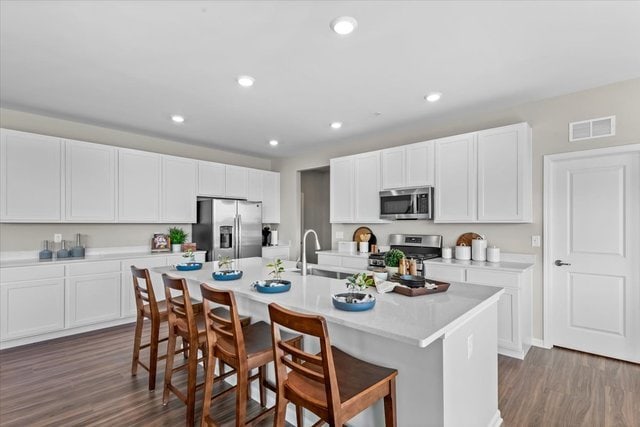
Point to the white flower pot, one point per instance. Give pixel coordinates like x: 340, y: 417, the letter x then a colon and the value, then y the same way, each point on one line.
x: 176, y: 247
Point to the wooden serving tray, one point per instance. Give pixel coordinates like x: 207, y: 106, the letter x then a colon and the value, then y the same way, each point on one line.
x: 414, y: 292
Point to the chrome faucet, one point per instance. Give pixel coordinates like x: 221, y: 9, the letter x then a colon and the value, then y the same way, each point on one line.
x: 303, y: 270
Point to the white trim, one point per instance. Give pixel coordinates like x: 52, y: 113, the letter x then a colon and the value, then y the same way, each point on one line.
x: 549, y: 159
x: 540, y: 343
x: 496, y: 421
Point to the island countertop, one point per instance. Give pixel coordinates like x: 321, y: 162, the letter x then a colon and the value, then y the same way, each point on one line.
x: 416, y: 321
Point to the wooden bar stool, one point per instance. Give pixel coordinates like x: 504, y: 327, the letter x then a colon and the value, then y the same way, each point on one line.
x: 147, y: 307
x: 332, y: 384
x: 244, y: 349
x: 187, y: 323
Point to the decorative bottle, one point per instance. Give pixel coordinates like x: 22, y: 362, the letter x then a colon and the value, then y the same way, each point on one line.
x: 45, y: 253
x: 78, y: 250
x: 63, y: 252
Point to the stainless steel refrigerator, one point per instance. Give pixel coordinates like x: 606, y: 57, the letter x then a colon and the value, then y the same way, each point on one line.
x: 230, y: 228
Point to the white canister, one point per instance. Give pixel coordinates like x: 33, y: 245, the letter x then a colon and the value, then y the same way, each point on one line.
x: 274, y: 237
x: 479, y: 249
x: 446, y: 253
x: 364, y: 247
x: 463, y: 252
x: 493, y: 254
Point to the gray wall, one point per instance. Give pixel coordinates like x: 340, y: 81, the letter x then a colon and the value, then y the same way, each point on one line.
x: 549, y: 119
x: 24, y: 237
x: 315, y: 187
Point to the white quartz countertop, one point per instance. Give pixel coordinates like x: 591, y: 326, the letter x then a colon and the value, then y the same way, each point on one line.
x: 503, y: 265
x: 349, y: 254
x: 89, y: 258
x: 417, y: 321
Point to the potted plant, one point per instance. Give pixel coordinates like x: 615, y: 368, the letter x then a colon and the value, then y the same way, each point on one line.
x: 355, y: 299
x: 392, y: 260
x: 177, y: 237
x: 225, y: 264
x: 277, y: 268
x: 190, y: 256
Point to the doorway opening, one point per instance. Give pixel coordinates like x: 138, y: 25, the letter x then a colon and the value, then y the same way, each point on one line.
x: 314, y: 208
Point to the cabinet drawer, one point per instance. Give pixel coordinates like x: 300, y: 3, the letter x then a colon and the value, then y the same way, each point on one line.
x: 159, y: 261
x: 85, y: 268
x: 492, y: 278
x: 18, y: 274
x: 329, y: 260
x: 453, y: 274
x: 356, y: 263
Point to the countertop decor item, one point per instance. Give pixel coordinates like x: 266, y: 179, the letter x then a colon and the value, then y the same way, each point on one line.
x: 414, y: 292
x: 351, y: 301
x: 45, y: 253
x: 447, y: 253
x: 189, y: 266
x: 412, y: 281
x: 392, y: 259
x: 363, y: 232
x: 277, y: 268
x: 493, y: 254
x: 274, y: 286
x: 160, y: 243
x: 226, y: 275
x: 463, y: 252
x: 177, y: 236
x: 466, y: 238
x: 63, y: 252
x: 479, y: 249
x: 78, y: 250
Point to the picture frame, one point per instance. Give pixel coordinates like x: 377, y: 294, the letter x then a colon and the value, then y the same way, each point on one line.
x: 160, y: 243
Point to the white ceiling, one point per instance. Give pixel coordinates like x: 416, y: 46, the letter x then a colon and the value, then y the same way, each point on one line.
x: 130, y: 65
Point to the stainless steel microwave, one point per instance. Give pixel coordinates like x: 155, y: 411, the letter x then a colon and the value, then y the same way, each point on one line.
x: 408, y: 203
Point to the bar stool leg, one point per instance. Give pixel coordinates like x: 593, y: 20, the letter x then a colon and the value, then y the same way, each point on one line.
x: 241, y: 397
x: 390, y: 405
x: 168, y: 370
x: 153, y: 353
x: 191, y: 382
x: 136, y: 345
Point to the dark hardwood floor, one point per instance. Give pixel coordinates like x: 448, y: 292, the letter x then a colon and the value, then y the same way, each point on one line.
x: 85, y: 380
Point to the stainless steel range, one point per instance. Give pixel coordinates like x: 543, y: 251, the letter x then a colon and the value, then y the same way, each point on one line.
x: 415, y: 246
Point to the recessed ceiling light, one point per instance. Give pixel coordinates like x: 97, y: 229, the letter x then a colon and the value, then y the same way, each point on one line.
x: 336, y: 125
x: 246, y: 81
x: 273, y: 142
x: 344, y: 25
x: 433, y: 96
x: 177, y: 119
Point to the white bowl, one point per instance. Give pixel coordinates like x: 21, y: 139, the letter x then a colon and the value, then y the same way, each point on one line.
x: 381, y: 275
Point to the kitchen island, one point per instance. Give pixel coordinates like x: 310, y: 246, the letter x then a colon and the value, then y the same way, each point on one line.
x: 444, y: 346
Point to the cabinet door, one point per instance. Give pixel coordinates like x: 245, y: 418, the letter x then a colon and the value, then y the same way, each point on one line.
x: 504, y: 174
x: 419, y: 164
x: 139, y: 182
x: 236, y: 182
x: 211, y: 179
x: 367, y: 187
x: 179, y: 182
x: 455, y: 189
x: 30, y: 177
x: 342, y: 188
x: 92, y: 299
x: 393, y: 168
x: 508, y: 328
x: 31, y: 308
x: 271, y: 198
x: 255, y: 191
x: 90, y: 178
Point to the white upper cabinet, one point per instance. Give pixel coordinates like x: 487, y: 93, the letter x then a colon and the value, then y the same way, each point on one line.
x: 255, y: 185
x: 342, y: 179
x: 355, y: 189
x: 455, y: 189
x: 179, y: 183
x: 271, y: 197
x: 408, y: 166
x: 90, y: 182
x: 393, y: 168
x: 367, y: 187
x: 211, y: 179
x: 31, y: 177
x: 504, y: 174
x: 484, y: 176
x: 237, y: 182
x: 139, y: 183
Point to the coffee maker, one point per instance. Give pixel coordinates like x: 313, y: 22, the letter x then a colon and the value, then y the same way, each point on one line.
x: 266, y: 236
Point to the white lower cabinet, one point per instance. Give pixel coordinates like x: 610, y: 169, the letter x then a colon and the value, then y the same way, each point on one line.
x: 345, y: 261
x: 514, y: 306
x: 31, y: 307
x: 273, y: 252
x: 93, y: 296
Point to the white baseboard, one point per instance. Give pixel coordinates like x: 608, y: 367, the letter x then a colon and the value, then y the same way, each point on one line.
x: 540, y: 343
x: 496, y: 421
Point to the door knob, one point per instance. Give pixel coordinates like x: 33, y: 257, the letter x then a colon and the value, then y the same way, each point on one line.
x: 559, y: 263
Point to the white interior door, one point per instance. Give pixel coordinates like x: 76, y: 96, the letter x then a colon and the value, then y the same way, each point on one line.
x: 595, y: 229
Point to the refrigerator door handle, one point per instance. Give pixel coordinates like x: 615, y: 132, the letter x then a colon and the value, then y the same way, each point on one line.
x: 239, y: 247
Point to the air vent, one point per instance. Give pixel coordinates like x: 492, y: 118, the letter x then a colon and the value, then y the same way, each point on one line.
x: 594, y: 128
